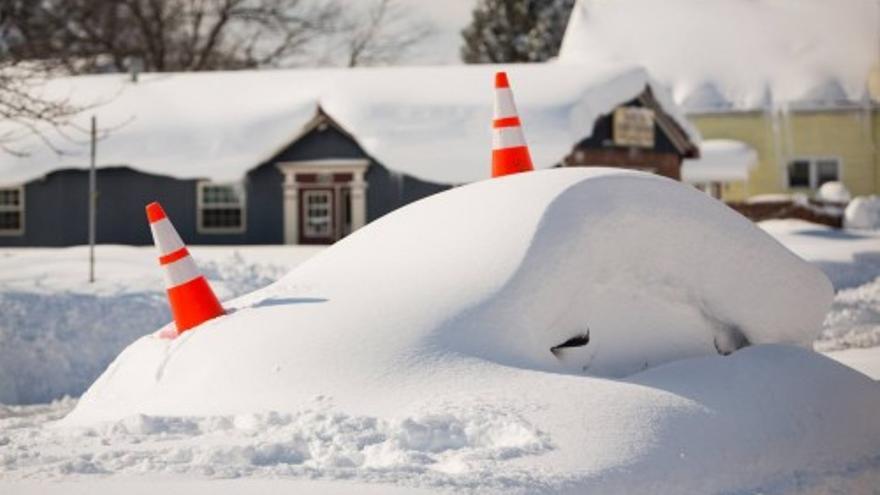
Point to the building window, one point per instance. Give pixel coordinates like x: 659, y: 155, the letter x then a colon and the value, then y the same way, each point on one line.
x: 712, y: 189
x: 221, y: 208
x: 827, y: 171
x: 318, y: 214
x: 811, y: 173
x: 11, y: 211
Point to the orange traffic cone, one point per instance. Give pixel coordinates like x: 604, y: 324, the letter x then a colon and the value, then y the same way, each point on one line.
x: 510, y: 154
x: 191, y: 298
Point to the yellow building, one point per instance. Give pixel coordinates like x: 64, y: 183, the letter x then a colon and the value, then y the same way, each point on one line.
x: 797, y: 81
x: 801, y: 149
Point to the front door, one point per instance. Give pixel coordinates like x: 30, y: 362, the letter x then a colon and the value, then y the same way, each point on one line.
x: 317, y: 216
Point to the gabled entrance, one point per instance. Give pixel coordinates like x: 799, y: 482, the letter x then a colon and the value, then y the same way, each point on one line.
x: 324, y: 200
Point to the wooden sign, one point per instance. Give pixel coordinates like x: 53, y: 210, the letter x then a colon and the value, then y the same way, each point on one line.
x: 634, y: 126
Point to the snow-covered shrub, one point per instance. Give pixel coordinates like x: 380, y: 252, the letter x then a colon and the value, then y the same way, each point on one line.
x: 863, y: 212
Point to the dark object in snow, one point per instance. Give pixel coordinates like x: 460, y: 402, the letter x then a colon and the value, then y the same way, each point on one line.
x: 730, y: 340
x: 576, y: 341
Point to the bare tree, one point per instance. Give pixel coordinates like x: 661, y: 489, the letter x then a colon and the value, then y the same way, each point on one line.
x: 382, y: 34
x: 40, y: 39
x: 29, y: 112
x: 167, y: 35
x: 22, y: 102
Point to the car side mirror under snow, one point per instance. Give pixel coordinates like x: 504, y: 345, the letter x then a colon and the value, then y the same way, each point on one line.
x: 576, y: 341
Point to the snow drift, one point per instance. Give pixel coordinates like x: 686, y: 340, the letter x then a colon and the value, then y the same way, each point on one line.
x: 863, y: 213
x: 461, y: 342
x: 569, y: 271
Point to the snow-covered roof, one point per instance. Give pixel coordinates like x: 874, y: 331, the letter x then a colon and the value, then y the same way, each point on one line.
x: 432, y: 123
x: 721, y: 160
x: 724, y: 55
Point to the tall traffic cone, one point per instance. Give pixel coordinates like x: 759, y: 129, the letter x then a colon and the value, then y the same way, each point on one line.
x: 191, y: 298
x: 510, y: 154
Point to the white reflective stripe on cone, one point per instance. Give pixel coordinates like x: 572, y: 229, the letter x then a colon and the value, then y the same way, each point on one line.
x: 165, y: 237
x: 507, y: 137
x: 180, y: 272
x: 504, y: 106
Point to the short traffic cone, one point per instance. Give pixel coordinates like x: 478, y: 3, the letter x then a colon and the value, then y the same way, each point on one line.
x: 191, y: 298
x: 510, y: 154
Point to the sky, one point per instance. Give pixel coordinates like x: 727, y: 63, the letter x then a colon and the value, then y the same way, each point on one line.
x: 449, y: 17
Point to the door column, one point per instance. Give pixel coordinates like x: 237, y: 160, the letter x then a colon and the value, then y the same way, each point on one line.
x: 358, y: 193
x: 291, y: 208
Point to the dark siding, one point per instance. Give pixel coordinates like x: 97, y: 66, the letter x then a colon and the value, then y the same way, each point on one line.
x: 56, y: 206
x: 265, y: 207
x: 603, y: 129
x: 321, y: 144
x: 387, y: 191
x: 56, y: 209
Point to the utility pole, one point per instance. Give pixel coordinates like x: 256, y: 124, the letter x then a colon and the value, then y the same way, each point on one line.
x: 93, y: 203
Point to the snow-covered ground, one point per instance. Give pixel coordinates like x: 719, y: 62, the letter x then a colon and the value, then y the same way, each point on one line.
x: 803, y: 423
x: 851, y: 260
x: 58, y: 332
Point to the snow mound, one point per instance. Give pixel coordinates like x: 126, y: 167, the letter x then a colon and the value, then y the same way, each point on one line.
x: 768, y: 419
x: 854, y: 319
x: 720, y: 160
x: 456, y: 343
x: 863, y: 212
x: 599, y: 272
x: 834, y: 192
x: 59, y: 334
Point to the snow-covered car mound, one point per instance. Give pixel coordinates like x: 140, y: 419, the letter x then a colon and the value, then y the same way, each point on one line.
x: 506, y: 307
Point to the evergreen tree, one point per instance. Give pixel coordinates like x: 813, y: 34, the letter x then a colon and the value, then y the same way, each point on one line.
x: 515, y: 30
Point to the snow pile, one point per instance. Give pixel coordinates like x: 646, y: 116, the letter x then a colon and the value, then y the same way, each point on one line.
x: 768, y: 419
x: 863, y: 212
x: 852, y: 262
x: 59, y: 333
x: 316, y: 440
x: 182, y: 125
x: 514, y: 280
x: 854, y: 319
x: 735, y: 54
x: 834, y: 192
x: 421, y: 356
x: 721, y: 160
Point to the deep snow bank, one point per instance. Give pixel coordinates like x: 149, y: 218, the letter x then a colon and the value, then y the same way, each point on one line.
x: 418, y: 351
x: 494, y: 273
x: 768, y: 419
x: 58, y: 333
x: 863, y: 213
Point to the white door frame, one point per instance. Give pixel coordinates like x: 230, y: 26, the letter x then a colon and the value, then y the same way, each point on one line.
x: 356, y: 167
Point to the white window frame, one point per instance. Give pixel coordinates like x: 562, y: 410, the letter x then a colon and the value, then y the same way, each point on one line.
x: 330, y: 213
x: 813, y: 171
x: 20, y: 208
x: 201, y: 206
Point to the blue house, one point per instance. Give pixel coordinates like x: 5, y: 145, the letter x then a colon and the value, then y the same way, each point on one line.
x: 308, y: 156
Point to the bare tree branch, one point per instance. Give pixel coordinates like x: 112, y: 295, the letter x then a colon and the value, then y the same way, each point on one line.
x: 384, y: 33
x: 169, y: 35
x: 31, y: 113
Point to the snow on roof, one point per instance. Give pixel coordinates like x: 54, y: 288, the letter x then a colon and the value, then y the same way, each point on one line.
x: 721, y: 160
x: 736, y: 54
x: 432, y: 123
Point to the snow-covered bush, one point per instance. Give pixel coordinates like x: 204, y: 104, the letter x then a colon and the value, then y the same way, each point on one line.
x: 863, y: 212
x: 834, y: 192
